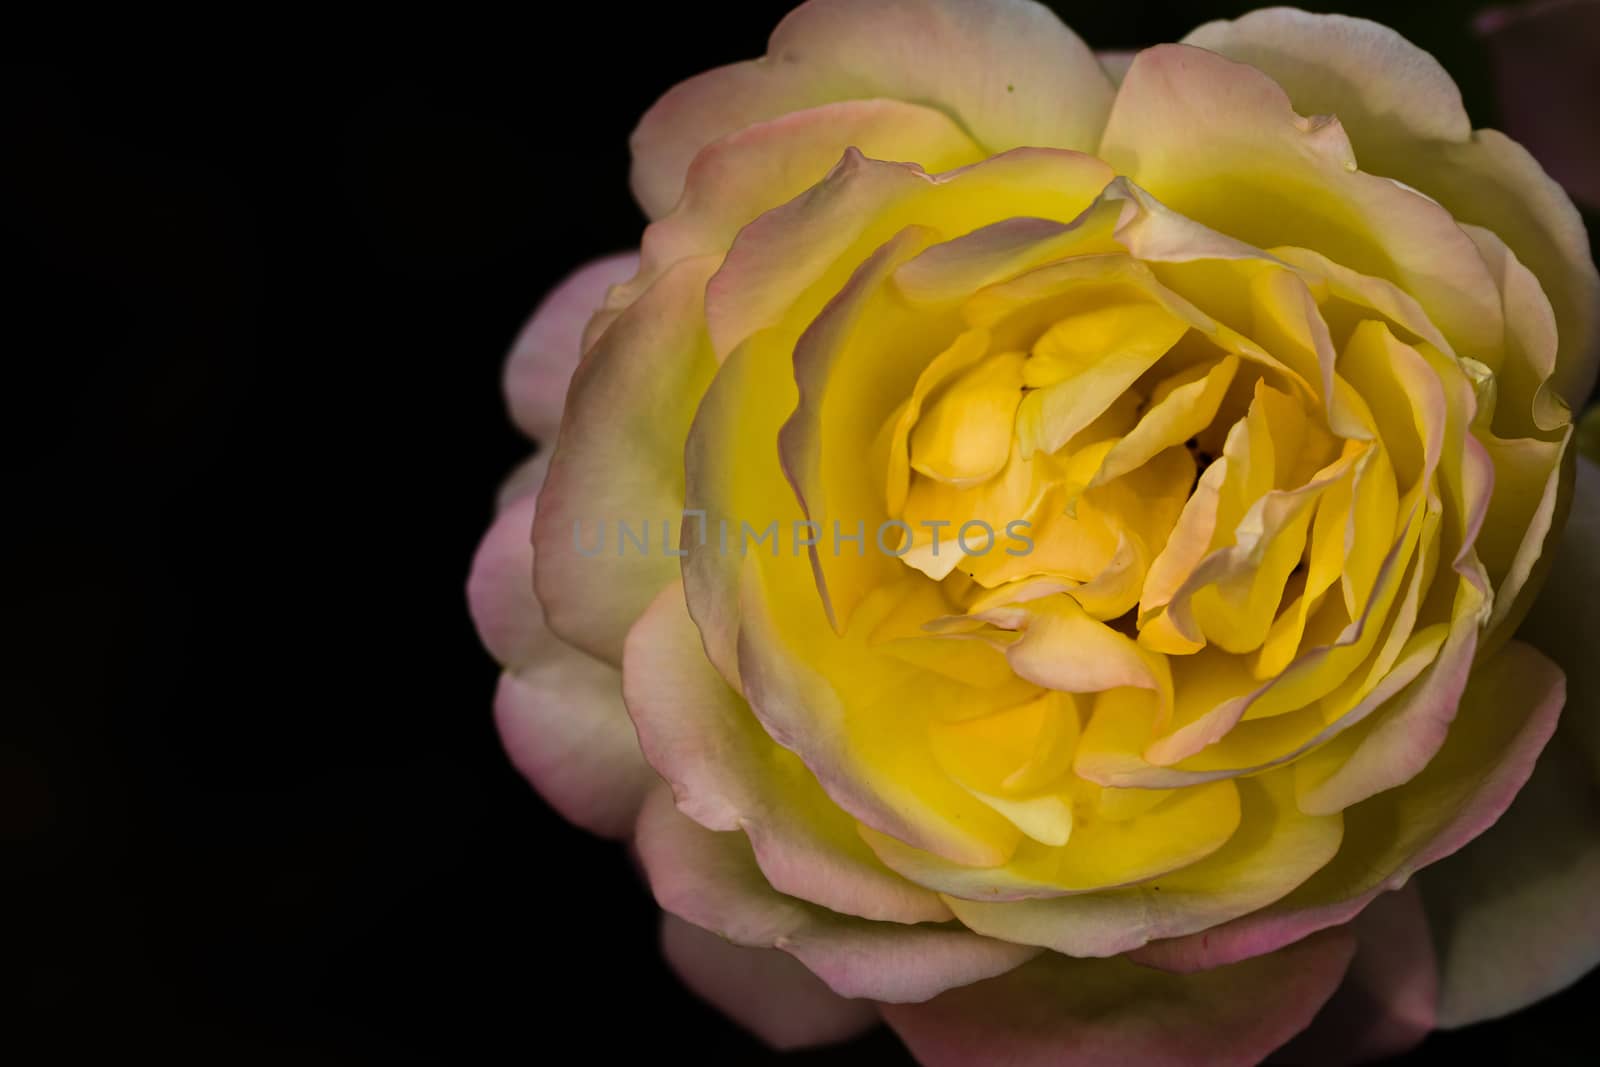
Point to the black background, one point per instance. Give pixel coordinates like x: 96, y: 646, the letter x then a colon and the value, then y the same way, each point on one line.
x: 254, y: 809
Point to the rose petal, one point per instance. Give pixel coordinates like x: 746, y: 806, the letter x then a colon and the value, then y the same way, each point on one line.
x: 617, y: 471
x: 1007, y: 70
x: 1383, y: 88
x: 547, y: 350
x: 789, y: 263
x: 767, y: 992
x: 1060, y: 1012
x: 727, y: 774
x: 1275, y: 849
x: 562, y: 722
x: 1219, y: 141
x: 500, y: 587
x: 1514, y: 912
x: 1404, y: 125
x: 752, y: 170
x: 559, y: 711
x: 711, y: 879
x: 1507, y: 714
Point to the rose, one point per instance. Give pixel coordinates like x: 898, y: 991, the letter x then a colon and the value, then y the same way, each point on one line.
x: 1273, y: 357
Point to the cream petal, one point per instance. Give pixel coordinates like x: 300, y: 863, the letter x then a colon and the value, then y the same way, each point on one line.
x: 1219, y: 142
x: 1403, y: 117
x: 1007, y: 71
x: 617, y: 471
x: 752, y: 170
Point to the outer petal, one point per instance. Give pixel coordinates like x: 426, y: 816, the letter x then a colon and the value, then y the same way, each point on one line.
x: 1514, y: 913
x: 768, y: 992
x: 564, y: 727
x: 1220, y: 142
x: 1384, y: 89
x: 500, y: 587
x: 1405, y: 122
x: 754, y: 169
x: 619, y: 463
x: 1061, y: 1012
x: 727, y: 774
x: 546, y: 351
x: 559, y: 711
x: 1007, y: 70
x: 711, y: 879
x: 1386, y: 1004
x: 1507, y: 714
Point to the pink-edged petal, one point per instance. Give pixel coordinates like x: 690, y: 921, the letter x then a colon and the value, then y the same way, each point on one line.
x: 1386, y: 1004
x: 609, y: 513
x: 767, y: 992
x: 500, y: 587
x: 526, y: 479
x: 711, y: 880
x: 796, y: 257
x: 1507, y: 715
x: 754, y: 169
x: 1007, y: 71
x: 1062, y: 1012
x: 1514, y: 912
x: 1542, y: 54
x: 1221, y: 143
x: 1404, y: 122
x: 1389, y: 748
x: 559, y: 711
x: 547, y: 350
x: 727, y: 774
x: 562, y: 722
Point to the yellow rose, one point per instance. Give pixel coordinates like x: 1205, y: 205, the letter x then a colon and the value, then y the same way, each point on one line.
x: 1058, y: 531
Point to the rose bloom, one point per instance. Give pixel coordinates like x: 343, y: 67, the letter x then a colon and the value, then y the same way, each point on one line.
x: 1256, y: 361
